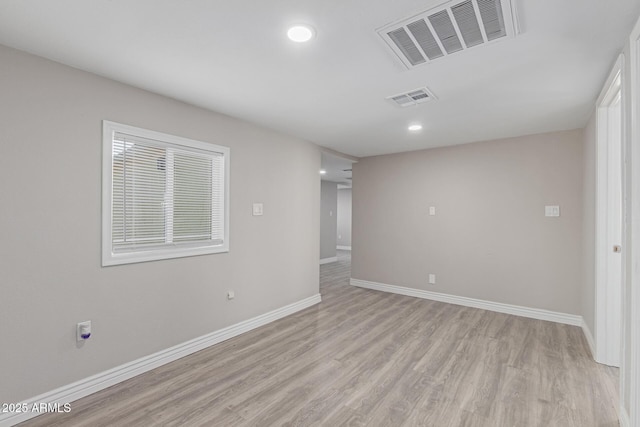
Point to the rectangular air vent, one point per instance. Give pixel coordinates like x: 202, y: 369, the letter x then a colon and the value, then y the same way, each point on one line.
x: 414, y: 97
x: 451, y: 27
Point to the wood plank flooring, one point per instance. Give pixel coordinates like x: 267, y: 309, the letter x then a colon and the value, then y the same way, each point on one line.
x: 367, y: 358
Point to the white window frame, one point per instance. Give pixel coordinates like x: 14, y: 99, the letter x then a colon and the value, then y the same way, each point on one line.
x: 109, y: 257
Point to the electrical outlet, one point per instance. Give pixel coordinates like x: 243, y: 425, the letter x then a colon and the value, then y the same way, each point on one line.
x: 432, y: 279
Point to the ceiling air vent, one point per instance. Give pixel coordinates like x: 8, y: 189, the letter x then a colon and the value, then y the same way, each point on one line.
x: 451, y: 27
x: 414, y: 97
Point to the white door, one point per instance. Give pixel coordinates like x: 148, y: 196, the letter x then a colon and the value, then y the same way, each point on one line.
x: 609, y: 220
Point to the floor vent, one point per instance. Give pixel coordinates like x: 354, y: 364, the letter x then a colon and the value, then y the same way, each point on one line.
x: 452, y: 27
x: 414, y: 97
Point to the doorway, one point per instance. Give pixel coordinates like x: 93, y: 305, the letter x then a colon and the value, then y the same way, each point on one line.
x: 335, y: 215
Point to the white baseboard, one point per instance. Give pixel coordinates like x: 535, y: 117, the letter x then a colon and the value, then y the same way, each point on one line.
x: 87, y: 386
x: 589, y: 336
x: 344, y: 248
x: 624, y: 417
x: 516, y: 310
x: 328, y: 260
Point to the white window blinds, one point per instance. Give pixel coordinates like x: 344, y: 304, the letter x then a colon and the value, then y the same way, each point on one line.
x: 166, y: 196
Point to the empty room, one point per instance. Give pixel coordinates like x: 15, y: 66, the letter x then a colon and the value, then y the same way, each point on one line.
x: 320, y: 213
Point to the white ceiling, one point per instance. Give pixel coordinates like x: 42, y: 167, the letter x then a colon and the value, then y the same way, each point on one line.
x: 234, y: 57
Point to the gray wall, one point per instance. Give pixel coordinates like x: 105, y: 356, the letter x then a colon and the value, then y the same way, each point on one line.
x: 589, y: 225
x: 489, y: 239
x: 328, y: 221
x: 50, y: 181
x: 344, y: 217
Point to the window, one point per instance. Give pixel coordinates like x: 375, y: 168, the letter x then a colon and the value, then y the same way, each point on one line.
x: 163, y: 196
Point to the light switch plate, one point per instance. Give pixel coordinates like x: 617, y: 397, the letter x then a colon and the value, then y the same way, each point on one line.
x: 83, y: 331
x: 257, y: 209
x: 552, y: 211
x: 432, y: 210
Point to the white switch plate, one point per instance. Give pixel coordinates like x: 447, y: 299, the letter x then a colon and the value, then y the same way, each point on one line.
x: 83, y: 328
x: 432, y: 279
x: 231, y: 295
x: 257, y: 209
x: 552, y: 211
x: 432, y: 210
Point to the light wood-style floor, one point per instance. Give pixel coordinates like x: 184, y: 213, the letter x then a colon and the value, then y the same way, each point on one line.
x: 367, y: 358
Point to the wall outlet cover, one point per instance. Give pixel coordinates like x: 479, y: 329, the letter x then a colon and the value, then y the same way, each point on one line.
x: 552, y: 211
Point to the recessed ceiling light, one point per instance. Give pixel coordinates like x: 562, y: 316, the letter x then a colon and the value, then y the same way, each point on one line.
x: 300, y: 33
x: 323, y: 172
x: 415, y: 127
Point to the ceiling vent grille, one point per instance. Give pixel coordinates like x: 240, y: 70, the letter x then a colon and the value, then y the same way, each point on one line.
x: 452, y: 27
x: 414, y: 97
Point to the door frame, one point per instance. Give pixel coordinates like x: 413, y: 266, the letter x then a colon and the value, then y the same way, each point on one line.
x: 633, y: 316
